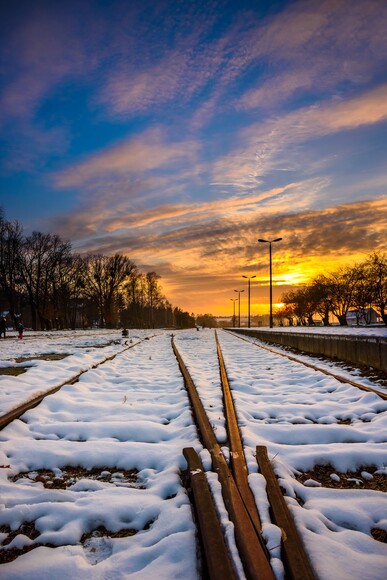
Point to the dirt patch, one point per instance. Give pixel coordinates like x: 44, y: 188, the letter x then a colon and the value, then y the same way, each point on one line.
x: 28, y: 529
x: 69, y: 475
x: 92, y: 346
x: 53, y: 356
x: 327, y: 476
x: 379, y: 535
x: 13, y: 371
x: 103, y: 532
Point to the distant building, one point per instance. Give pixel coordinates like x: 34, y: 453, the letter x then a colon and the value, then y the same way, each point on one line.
x: 362, y: 316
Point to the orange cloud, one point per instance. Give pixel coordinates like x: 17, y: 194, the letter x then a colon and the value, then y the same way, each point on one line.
x: 207, y: 256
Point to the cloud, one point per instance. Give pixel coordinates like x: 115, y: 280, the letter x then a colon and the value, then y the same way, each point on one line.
x: 280, y: 142
x: 136, y: 156
x: 314, y: 47
x: 320, y: 120
x: 44, y: 48
x: 192, y: 212
x: 207, y: 240
x: 212, y: 253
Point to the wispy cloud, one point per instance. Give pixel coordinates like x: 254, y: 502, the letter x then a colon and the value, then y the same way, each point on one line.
x: 136, y: 156
x: 43, y: 49
x: 314, y: 47
x: 319, y: 120
x: 274, y: 144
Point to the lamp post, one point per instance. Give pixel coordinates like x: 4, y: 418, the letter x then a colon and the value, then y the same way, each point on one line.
x: 239, y: 306
x: 233, y: 300
x: 248, y: 298
x: 270, y: 242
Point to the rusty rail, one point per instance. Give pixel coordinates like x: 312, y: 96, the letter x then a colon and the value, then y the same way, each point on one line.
x: 248, y: 541
x: 237, y: 455
x: 216, y: 553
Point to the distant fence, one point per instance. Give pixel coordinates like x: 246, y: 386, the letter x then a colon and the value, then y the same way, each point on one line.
x: 366, y: 350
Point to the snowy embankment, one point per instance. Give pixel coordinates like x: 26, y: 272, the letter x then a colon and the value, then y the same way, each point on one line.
x: 380, y: 331
x: 306, y: 419
x: 81, y: 351
x: 124, y: 512
x: 131, y: 413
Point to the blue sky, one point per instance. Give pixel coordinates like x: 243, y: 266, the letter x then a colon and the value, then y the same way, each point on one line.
x: 181, y: 132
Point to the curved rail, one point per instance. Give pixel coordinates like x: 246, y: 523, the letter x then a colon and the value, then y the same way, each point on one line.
x: 21, y: 409
x: 314, y: 367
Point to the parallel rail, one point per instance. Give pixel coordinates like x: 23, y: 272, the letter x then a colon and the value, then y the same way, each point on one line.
x: 237, y: 495
x: 18, y: 411
x: 314, y: 367
x: 249, y: 544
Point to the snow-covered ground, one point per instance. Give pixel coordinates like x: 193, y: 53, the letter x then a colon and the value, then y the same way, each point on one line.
x: 81, y: 350
x: 132, y: 413
x: 334, y: 329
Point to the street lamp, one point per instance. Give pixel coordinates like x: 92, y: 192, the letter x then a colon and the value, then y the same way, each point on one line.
x: 239, y: 306
x: 233, y: 300
x: 248, y: 299
x: 270, y: 242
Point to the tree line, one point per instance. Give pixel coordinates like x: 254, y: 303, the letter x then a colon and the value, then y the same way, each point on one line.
x: 360, y: 288
x: 51, y: 287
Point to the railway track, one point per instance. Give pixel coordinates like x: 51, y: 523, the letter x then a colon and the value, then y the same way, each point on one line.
x: 339, y: 378
x: 238, y: 497
x: 126, y: 444
x: 19, y: 410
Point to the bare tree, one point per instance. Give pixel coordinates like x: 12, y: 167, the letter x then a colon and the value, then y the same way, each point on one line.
x: 104, y: 279
x: 39, y: 263
x: 11, y: 239
x: 321, y: 293
x: 153, y: 294
x: 341, y: 285
x: 376, y: 273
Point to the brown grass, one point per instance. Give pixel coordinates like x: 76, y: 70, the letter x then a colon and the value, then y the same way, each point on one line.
x: 70, y: 475
x: 322, y: 473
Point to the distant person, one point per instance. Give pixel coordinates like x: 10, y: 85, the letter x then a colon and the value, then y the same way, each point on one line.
x: 3, y: 326
x: 125, y: 333
x: 20, y: 329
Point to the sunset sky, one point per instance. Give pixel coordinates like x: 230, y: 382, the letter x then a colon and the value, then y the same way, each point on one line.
x: 180, y: 132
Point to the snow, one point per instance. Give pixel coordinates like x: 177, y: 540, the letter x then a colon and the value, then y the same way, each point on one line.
x: 332, y: 367
x: 132, y: 413
x: 366, y: 331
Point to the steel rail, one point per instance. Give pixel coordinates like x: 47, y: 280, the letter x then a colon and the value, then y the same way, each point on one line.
x: 253, y: 557
x: 314, y: 367
x: 217, y: 556
x: 296, y: 562
x: 237, y: 455
x: 21, y: 409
